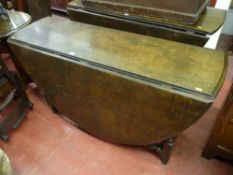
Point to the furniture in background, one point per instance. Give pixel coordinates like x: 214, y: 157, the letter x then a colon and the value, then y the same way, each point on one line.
x: 11, y: 93
x: 17, y: 20
x: 18, y: 5
x: 37, y: 8
x: 59, y: 5
x: 11, y: 87
x: 220, y: 143
x: 195, y: 34
x: 182, y: 11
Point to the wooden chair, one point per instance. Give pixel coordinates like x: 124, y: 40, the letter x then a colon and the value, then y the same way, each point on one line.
x: 11, y: 91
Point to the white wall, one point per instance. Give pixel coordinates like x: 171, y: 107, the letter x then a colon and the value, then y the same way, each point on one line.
x: 213, y: 41
x: 228, y: 26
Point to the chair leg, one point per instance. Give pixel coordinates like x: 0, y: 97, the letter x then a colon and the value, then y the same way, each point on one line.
x: 14, y: 79
x: 17, y: 114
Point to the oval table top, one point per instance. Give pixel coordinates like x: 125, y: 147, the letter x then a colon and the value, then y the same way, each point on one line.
x: 190, y: 69
x: 119, y: 86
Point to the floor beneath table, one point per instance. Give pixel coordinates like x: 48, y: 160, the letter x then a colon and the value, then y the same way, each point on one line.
x: 46, y: 144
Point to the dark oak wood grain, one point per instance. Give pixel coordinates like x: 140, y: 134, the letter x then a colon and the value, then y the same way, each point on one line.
x: 208, y: 24
x: 181, y: 11
x: 77, y: 12
x: 39, y: 8
x: 119, y: 86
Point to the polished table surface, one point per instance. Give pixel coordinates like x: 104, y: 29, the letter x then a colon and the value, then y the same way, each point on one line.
x: 188, y: 68
x: 17, y: 20
x: 122, y: 87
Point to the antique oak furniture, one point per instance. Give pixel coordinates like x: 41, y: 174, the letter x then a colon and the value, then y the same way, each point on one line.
x: 197, y: 34
x: 121, y: 87
x: 11, y: 88
x: 38, y: 8
x: 11, y: 93
x: 16, y: 21
x: 181, y: 11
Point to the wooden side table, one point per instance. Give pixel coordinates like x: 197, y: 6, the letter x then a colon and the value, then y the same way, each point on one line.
x: 11, y: 86
x: 17, y: 21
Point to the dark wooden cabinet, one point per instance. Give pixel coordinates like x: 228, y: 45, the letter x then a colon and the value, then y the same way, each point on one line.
x: 220, y: 143
x: 38, y: 9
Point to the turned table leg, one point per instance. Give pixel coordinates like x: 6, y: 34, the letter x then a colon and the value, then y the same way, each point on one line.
x: 164, y: 149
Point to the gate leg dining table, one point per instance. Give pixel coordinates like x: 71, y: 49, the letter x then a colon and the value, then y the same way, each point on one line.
x: 121, y: 87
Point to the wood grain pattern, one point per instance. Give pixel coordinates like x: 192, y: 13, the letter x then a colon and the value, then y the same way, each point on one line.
x: 185, y: 6
x: 208, y: 23
x: 107, y: 105
x: 39, y: 8
x: 131, y: 54
x: 101, y: 79
x: 79, y: 13
x: 180, y: 11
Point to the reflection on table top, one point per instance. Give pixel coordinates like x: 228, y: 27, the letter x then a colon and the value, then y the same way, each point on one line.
x: 192, y: 68
x: 16, y: 21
